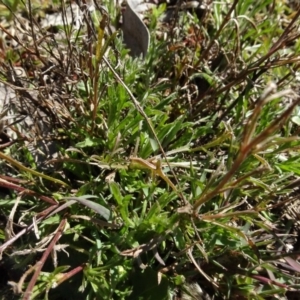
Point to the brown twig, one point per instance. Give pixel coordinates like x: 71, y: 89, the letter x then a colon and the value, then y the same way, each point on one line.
x: 39, y: 265
x: 248, y: 144
x: 25, y: 230
x: 69, y: 274
x: 9, y: 185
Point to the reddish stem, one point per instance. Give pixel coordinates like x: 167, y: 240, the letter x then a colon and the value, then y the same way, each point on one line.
x: 39, y: 264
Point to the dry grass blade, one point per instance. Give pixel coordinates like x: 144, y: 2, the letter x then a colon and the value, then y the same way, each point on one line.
x: 247, y: 146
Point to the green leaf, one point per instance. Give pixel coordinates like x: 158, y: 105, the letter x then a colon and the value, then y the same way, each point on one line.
x: 88, y: 142
x: 296, y: 120
x: 114, y: 189
x: 98, y: 208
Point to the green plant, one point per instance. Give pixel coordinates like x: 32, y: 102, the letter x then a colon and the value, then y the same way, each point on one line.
x: 171, y: 170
